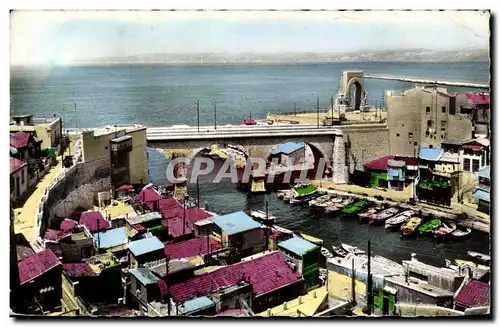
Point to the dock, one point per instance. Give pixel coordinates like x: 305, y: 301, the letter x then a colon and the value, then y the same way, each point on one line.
x: 428, y: 81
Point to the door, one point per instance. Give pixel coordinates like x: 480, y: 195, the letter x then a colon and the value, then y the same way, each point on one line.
x: 385, y: 306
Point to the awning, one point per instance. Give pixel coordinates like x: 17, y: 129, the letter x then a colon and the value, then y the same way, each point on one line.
x: 473, y: 147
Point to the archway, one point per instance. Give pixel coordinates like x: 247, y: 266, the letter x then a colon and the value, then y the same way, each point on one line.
x: 354, y: 78
x: 354, y: 94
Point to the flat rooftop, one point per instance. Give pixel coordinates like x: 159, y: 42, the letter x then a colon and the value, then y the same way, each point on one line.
x: 419, y: 286
x: 115, y: 128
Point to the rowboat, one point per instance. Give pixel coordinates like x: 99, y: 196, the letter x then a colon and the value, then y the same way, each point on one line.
x: 479, y: 256
x: 261, y: 216
x: 311, y: 239
x: 321, y: 199
x: 364, y: 216
x: 282, y: 230
x: 352, y: 249
x: 471, y: 264
x: 337, y: 207
x: 327, y: 254
x: 303, y: 190
x: 301, y: 199
x: 383, y: 215
x: 461, y: 232
x: 410, y: 226
x: 339, y: 251
x: 444, y: 230
x: 354, y: 207
x: 399, y: 219
x: 429, y: 226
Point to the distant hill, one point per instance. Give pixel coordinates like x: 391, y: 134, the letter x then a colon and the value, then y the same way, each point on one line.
x: 418, y: 55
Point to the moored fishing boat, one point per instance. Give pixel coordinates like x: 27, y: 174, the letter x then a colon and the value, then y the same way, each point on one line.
x: 429, y: 226
x: 339, y: 251
x: 471, y: 264
x: 355, y: 207
x: 303, y: 190
x: 461, y: 232
x: 445, y: 229
x: 398, y: 219
x: 479, y: 256
x: 319, y: 200
x: 336, y: 208
x: 311, y: 239
x: 282, y: 230
x: 383, y: 215
x: 302, y: 199
x: 365, y: 215
x: 260, y: 215
x: 410, y: 226
x: 327, y: 254
x: 352, y: 249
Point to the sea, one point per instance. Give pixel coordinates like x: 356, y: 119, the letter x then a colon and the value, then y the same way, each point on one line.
x: 92, y: 96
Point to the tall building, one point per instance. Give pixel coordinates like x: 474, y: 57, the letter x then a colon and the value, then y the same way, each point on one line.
x: 423, y: 117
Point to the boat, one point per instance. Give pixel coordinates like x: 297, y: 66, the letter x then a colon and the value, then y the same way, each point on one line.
x: 383, y: 215
x: 338, y: 206
x: 352, y: 249
x: 410, y: 226
x: 261, y: 216
x: 479, y: 256
x: 461, y: 232
x: 303, y: 190
x: 321, y: 199
x: 339, y: 251
x: 445, y: 229
x: 471, y: 264
x: 327, y: 254
x: 301, y: 199
x: 354, y: 207
x: 282, y: 230
x: 311, y: 239
x: 429, y: 226
x: 365, y: 215
x: 399, y: 219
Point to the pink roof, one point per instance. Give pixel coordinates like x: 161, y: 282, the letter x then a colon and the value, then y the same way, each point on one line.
x: 174, y: 220
x: 36, y: 265
x: 147, y: 196
x: 191, y: 248
x: 478, y: 98
x: 125, y: 187
x: 78, y: 269
x: 138, y: 227
x: 474, y: 294
x: 379, y: 164
x: 19, y: 139
x: 175, y: 227
x: 15, y: 164
x: 67, y: 225
x: 266, y: 273
x: 94, y: 221
x: 409, y: 160
x: 55, y: 235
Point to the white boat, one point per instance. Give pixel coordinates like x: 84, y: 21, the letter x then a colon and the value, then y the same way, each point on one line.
x: 327, y: 254
x: 320, y: 200
x: 399, y: 219
x: 479, y: 256
x: 261, y: 215
x: 282, y: 230
x: 352, y: 249
x: 461, y: 232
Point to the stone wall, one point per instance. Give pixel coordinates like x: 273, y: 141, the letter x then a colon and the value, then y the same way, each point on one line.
x: 363, y: 146
x: 77, y: 189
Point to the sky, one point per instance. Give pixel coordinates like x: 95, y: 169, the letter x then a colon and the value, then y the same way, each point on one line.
x: 62, y: 37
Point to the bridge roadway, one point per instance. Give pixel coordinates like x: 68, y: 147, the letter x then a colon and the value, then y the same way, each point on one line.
x: 428, y: 81
x: 241, y: 131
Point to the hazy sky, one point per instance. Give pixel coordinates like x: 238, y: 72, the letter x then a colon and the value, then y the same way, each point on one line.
x: 53, y: 37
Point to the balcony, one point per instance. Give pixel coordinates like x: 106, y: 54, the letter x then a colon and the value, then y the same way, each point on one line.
x: 121, y: 144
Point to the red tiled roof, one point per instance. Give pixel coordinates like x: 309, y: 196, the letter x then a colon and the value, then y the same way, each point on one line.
x: 15, y: 164
x: 147, y: 196
x: 55, y: 235
x: 379, y: 164
x: 191, y: 248
x: 125, y: 187
x: 174, y: 220
x: 67, y: 225
x: 78, y: 269
x: 94, y: 221
x: 19, y: 140
x: 266, y: 273
x: 478, y: 98
x: 474, y: 294
x: 409, y: 160
x: 36, y: 265
x: 138, y: 227
x: 474, y: 147
x: 175, y: 227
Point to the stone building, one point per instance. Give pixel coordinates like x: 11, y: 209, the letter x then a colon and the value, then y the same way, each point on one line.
x: 423, y: 117
x: 121, y: 148
x: 48, y: 130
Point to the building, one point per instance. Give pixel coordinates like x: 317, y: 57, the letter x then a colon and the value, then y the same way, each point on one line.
x: 112, y: 240
x: 148, y: 222
x: 144, y: 286
x: 47, y: 130
x: 473, y: 294
x: 24, y: 146
x: 379, y: 172
x: 475, y: 154
x: 477, y: 107
x: 199, y: 246
x: 289, y: 154
x: 145, y: 250
x: 305, y: 257
x: 423, y: 117
x: 72, y: 245
x: 396, y: 174
x: 261, y: 283
x: 40, y: 280
x: 482, y: 191
x: 122, y: 149
x: 240, y: 233
x: 18, y: 179
x: 94, y: 221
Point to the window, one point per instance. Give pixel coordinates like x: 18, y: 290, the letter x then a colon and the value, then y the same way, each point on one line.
x: 466, y: 164
x: 443, y: 123
x: 415, y: 143
x: 442, y: 136
x: 475, y: 165
x: 427, y: 110
x: 410, y: 134
x: 397, y: 135
x: 429, y: 123
x: 443, y: 110
x: 22, y: 176
x: 431, y: 146
x: 427, y: 133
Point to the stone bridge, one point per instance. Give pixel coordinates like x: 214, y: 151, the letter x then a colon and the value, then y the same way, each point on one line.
x: 341, y: 146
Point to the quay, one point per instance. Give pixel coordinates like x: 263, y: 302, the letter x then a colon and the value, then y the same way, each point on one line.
x: 428, y: 81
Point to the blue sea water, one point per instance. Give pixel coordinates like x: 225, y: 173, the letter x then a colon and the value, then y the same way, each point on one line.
x: 161, y: 94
